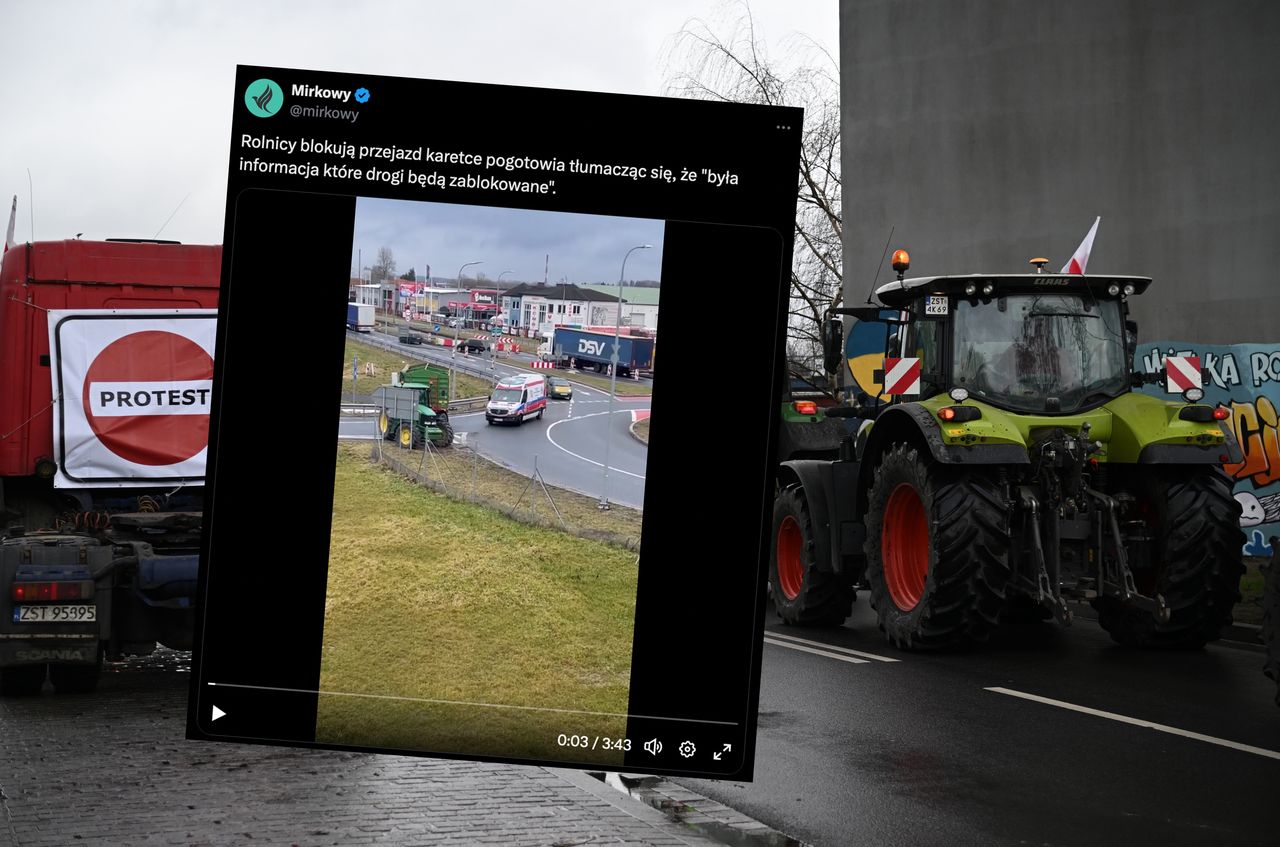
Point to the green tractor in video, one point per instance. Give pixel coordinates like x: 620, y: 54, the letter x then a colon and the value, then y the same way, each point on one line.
x: 1000, y: 467
x: 415, y: 407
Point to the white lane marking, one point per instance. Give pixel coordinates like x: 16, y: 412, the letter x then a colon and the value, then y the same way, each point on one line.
x: 584, y: 458
x: 872, y: 656
x: 357, y: 437
x: 1158, y: 727
x: 850, y: 659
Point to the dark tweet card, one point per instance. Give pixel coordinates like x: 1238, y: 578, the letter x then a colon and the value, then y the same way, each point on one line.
x: 489, y: 460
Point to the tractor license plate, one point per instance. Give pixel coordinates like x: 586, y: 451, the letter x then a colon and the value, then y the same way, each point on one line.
x: 82, y: 613
x: 935, y: 305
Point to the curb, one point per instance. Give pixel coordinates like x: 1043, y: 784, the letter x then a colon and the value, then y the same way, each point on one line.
x: 632, y: 429
x: 712, y: 821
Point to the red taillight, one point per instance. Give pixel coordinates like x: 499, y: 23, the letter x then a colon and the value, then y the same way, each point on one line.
x: 34, y: 592
x: 959, y: 414
x: 1221, y: 413
x: 805, y: 407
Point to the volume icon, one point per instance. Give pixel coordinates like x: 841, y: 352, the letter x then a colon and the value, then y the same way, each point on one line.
x: 653, y: 746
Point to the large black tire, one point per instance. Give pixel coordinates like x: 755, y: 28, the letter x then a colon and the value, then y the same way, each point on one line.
x: 937, y: 551
x: 76, y: 679
x: 1271, y: 617
x: 446, y: 431
x: 1198, y: 561
x: 803, y: 595
x: 22, y: 681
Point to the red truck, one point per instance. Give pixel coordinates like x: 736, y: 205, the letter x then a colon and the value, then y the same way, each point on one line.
x: 106, y: 375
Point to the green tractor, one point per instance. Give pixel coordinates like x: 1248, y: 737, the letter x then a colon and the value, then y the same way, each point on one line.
x: 415, y: 407
x: 1000, y: 467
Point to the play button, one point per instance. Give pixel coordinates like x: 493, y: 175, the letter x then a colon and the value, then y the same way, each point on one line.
x: 217, y: 713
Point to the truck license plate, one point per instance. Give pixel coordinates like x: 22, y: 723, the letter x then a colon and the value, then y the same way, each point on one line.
x: 85, y: 613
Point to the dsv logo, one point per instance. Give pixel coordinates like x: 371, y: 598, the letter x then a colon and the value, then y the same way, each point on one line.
x: 593, y: 347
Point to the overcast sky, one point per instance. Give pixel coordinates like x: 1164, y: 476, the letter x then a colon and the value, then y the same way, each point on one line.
x: 581, y: 249
x: 121, y: 110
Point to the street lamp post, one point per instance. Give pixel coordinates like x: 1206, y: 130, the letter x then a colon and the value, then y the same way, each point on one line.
x: 453, y: 351
x: 603, y: 505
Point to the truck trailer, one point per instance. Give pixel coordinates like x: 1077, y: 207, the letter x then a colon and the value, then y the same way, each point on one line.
x: 106, y: 356
x: 360, y: 317
x: 584, y: 348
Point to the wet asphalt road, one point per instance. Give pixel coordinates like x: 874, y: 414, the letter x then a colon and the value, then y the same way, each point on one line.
x: 918, y: 751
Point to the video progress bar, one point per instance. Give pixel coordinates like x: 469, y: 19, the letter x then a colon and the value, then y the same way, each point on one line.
x: 470, y: 703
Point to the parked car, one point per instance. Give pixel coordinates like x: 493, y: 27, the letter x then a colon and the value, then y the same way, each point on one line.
x: 560, y: 389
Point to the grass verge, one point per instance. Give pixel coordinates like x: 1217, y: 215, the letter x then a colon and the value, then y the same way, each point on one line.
x: 466, y: 475
x: 385, y: 362
x: 641, y: 430
x: 454, y: 605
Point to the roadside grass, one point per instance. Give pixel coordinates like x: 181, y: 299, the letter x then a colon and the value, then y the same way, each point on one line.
x: 468, y: 475
x: 385, y: 362
x: 641, y: 429
x: 454, y: 603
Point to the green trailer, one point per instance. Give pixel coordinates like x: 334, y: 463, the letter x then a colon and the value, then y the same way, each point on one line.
x: 414, y: 408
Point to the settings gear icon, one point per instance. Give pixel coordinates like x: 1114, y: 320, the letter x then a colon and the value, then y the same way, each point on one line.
x: 687, y: 749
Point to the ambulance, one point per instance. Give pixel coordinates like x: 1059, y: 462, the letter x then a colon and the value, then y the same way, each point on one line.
x: 516, y: 399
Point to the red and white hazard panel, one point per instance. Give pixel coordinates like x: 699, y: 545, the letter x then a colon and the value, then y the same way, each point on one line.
x: 901, y: 376
x: 133, y: 392
x: 1181, y: 373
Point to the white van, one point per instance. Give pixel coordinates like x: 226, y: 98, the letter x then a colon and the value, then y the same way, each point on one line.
x: 516, y: 399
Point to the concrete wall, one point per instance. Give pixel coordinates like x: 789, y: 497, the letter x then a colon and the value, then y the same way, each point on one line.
x: 991, y: 131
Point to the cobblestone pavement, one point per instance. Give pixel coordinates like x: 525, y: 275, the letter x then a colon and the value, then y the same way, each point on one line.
x: 114, y: 768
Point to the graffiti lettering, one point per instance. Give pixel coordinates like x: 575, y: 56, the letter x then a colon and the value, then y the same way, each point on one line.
x: 1266, y: 366
x: 1257, y: 428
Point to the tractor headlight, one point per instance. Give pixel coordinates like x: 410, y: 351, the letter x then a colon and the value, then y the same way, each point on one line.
x: 971, y: 289
x: 1113, y: 289
x: 987, y: 289
x: 1128, y: 289
x: 1193, y: 395
x: 958, y: 394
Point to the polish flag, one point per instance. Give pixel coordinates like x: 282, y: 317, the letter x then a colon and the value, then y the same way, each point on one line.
x: 13, y: 218
x: 1081, y: 257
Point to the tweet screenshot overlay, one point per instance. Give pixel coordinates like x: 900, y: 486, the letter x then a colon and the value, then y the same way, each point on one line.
x: 489, y: 451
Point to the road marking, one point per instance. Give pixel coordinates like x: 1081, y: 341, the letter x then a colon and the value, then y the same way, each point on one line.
x: 872, y: 656
x: 1159, y: 727
x: 853, y: 660
x: 584, y: 458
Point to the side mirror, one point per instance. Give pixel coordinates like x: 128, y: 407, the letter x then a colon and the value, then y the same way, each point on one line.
x: 832, y: 344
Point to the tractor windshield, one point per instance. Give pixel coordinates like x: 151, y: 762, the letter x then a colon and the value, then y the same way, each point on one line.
x: 1019, y: 351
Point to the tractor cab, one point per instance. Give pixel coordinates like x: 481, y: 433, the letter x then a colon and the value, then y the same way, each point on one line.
x: 1045, y: 344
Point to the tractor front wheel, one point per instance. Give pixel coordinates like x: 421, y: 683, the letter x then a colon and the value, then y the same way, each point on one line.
x: 446, y: 431
x: 937, y: 552
x: 1198, y: 561
x: 803, y: 594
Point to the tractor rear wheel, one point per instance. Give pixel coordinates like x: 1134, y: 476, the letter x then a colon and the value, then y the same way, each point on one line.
x: 937, y: 552
x: 1197, y: 561
x: 802, y: 594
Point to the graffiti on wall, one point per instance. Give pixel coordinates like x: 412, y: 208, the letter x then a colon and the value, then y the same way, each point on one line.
x: 1244, y: 378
